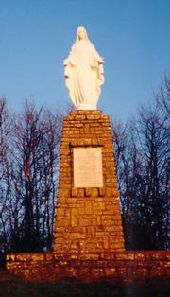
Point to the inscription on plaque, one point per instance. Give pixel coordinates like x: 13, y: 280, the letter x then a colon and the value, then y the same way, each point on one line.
x: 88, y: 167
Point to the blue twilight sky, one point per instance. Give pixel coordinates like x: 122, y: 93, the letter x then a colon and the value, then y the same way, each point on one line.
x: 133, y: 36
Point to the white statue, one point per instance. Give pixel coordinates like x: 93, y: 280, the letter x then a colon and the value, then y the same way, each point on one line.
x: 83, y: 70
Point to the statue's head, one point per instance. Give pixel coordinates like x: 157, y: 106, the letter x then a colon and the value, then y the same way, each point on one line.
x: 81, y: 33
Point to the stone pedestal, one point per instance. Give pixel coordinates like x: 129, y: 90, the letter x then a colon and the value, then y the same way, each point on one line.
x: 88, y: 216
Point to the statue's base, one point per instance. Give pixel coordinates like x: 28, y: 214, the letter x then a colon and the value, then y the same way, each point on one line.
x: 86, y: 107
x: 127, y: 266
x: 88, y: 213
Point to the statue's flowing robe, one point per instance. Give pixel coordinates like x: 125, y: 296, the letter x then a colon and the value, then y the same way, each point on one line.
x: 84, y: 74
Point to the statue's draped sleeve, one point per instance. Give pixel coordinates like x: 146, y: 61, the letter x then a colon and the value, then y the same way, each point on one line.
x: 69, y: 64
x: 98, y: 64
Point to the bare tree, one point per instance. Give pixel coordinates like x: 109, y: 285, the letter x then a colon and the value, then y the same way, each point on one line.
x: 163, y: 97
x: 28, y: 177
x: 143, y: 166
x: 154, y: 152
x: 36, y: 142
x: 130, y: 180
x: 5, y: 134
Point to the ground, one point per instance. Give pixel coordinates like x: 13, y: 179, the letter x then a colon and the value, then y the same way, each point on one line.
x: 11, y: 286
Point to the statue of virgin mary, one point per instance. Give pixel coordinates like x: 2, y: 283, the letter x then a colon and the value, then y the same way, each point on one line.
x: 83, y: 70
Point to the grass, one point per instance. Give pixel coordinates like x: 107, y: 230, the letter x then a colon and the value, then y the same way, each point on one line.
x: 73, y: 288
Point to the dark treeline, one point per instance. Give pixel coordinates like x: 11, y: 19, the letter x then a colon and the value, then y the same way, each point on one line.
x: 29, y: 169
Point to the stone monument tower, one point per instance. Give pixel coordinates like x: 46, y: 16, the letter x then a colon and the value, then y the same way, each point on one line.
x: 88, y: 216
x: 88, y: 236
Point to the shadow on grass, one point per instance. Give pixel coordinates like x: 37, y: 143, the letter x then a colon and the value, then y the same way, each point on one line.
x: 73, y: 288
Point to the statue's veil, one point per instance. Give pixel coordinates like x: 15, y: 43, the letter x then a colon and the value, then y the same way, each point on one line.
x: 86, y: 36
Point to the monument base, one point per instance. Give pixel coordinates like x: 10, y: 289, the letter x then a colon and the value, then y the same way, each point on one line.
x: 126, y: 266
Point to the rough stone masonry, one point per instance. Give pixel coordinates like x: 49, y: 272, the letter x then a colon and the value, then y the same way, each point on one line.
x: 88, y: 216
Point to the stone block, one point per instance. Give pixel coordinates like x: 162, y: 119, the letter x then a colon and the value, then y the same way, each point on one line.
x: 106, y: 243
x: 74, y: 218
x: 84, y: 221
x: 94, y: 192
x: 88, y: 207
x: 130, y: 256
x: 167, y: 256
x: 109, y: 192
x: 99, y: 246
x: 110, y: 272
x: 98, y: 220
x: 99, y: 205
x: 74, y: 192
x: 159, y: 255
x: 139, y: 256
x: 87, y: 192
x: 101, y: 191
x: 80, y: 192
x: 81, y: 210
